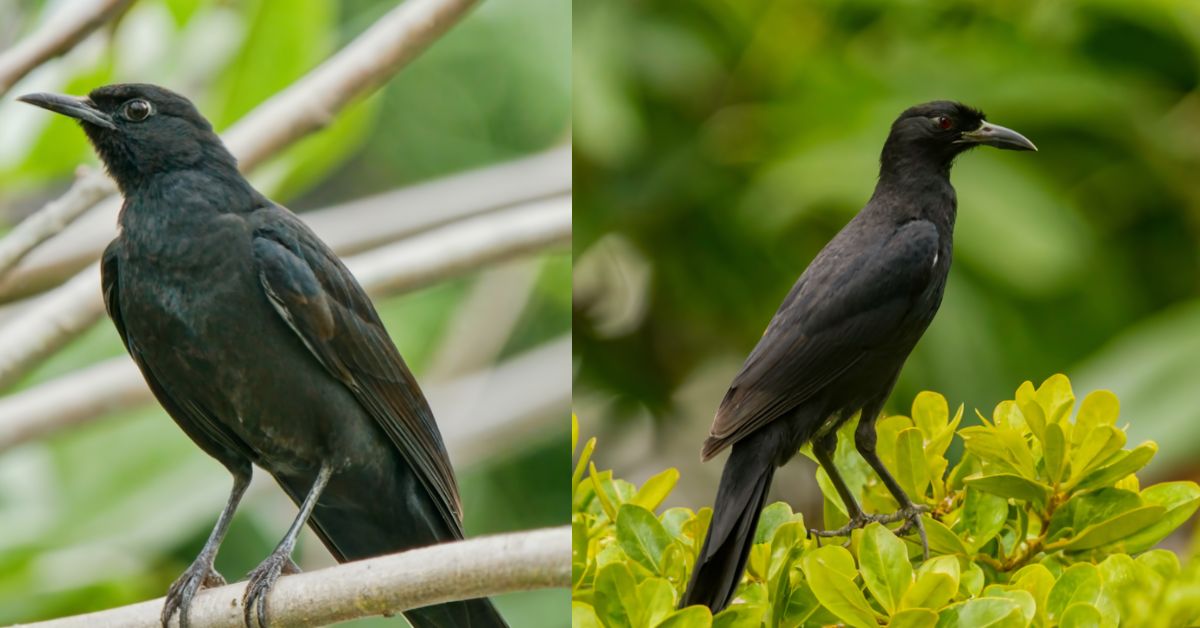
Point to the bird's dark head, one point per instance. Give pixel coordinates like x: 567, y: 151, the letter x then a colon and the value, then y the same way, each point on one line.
x: 937, y: 132
x: 141, y: 130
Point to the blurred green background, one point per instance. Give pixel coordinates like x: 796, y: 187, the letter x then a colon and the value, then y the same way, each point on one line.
x: 719, y: 144
x: 110, y: 513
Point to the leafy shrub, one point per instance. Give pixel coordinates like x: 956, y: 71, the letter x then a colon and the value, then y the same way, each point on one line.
x: 1042, y: 522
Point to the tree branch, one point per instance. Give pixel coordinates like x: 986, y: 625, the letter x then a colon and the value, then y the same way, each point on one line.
x: 67, y: 311
x: 478, y: 567
x: 57, y: 36
x: 305, y: 106
x: 90, y: 188
x: 349, y: 227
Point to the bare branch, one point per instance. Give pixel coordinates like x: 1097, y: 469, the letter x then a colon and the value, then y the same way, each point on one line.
x: 350, y: 227
x: 53, y: 218
x: 479, y: 567
x: 312, y: 101
x: 67, y: 311
x: 69, y: 26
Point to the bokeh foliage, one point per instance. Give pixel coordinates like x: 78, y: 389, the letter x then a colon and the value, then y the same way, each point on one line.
x: 111, y: 513
x: 1042, y: 523
x: 721, y: 143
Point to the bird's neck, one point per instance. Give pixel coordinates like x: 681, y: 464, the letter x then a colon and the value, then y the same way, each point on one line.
x: 176, y: 203
x: 917, y: 189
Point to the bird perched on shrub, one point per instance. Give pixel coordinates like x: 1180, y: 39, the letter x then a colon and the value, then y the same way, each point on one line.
x: 264, y: 349
x: 837, y: 343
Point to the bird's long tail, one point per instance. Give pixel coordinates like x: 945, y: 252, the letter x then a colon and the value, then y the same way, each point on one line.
x: 740, y: 499
x: 477, y: 613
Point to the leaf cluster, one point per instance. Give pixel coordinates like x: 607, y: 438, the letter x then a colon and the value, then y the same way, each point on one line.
x: 1041, y: 522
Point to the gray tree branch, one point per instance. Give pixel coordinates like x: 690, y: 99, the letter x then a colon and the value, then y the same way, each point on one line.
x: 479, y: 567
x: 57, y: 36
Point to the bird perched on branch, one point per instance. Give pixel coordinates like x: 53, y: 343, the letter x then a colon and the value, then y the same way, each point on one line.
x: 264, y: 349
x: 837, y: 343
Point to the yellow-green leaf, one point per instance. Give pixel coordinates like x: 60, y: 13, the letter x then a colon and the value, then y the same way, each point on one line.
x: 656, y: 489
x: 883, y: 561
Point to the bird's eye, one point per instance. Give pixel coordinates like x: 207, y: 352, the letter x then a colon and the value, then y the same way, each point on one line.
x: 137, y: 110
x: 944, y: 122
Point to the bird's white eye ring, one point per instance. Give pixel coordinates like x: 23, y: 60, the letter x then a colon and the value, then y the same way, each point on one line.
x: 137, y: 110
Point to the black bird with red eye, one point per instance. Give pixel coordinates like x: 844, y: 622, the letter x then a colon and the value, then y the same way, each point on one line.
x: 837, y: 343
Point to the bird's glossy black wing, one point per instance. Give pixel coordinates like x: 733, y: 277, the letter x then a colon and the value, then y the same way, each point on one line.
x: 209, y: 434
x: 827, y: 323
x: 326, y: 307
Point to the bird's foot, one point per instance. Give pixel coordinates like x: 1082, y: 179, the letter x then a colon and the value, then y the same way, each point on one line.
x: 857, y: 521
x: 910, y: 514
x: 200, y: 575
x: 260, y: 582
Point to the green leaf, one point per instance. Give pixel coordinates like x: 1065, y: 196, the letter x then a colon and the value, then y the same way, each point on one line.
x: 1081, y: 615
x: 942, y: 540
x: 914, y: 618
x: 1023, y: 598
x: 1124, y: 463
x: 825, y: 569
x: 1180, y: 501
x: 1099, y: 407
x: 584, y: 616
x: 913, y: 470
x: 1164, y: 562
x: 982, y: 612
x: 1054, y: 452
x: 656, y: 600
x: 1037, y: 580
x: 936, y: 583
x: 656, y: 489
x: 771, y: 518
x: 739, y: 616
x: 930, y: 413
x: 690, y: 617
x: 1094, y: 451
x: 1031, y: 410
x: 883, y: 561
x: 983, y: 516
x: 1118, y: 527
x: 1056, y: 398
x: 642, y: 536
x: 1013, y: 486
x: 1088, y: 508
x: 616, y: 592
x: 1079, y: 583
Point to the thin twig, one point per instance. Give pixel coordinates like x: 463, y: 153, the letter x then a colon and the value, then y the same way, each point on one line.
x: 91, y: 188
x: 59, y: 35
x: 479, y: 567
x: 311, y: 102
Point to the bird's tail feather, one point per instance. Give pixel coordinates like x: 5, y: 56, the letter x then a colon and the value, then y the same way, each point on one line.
x: 477, y: 613
x: 740, y: 500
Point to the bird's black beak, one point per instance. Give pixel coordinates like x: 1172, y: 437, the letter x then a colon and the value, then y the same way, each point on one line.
x: 995, y: 135
x: 81, y: 109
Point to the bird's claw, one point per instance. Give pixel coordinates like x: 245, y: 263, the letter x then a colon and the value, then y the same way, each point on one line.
x: 911, y: 515
x: 200, y: 575
x: 261, y: 581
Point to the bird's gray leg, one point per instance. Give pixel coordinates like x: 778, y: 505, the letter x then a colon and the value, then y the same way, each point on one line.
x: 823, y: 449
x: 864, y: 441
x: 266, y: 573
x: 201, y: 573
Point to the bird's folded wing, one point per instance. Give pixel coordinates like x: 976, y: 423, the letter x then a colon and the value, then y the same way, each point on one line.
x: 827, y: 323
x: 207, y: 432
x: 323, y: 304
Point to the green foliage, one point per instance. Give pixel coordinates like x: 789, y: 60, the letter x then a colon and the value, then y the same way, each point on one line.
x: 1042, y: 522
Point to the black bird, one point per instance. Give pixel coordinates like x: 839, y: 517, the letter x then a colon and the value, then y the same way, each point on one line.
x: 836, y: 344
x: 264, y: 349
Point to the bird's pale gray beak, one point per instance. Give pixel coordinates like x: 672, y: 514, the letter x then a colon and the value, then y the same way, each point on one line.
x: 1000, y: 137
x: 82, y: 109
